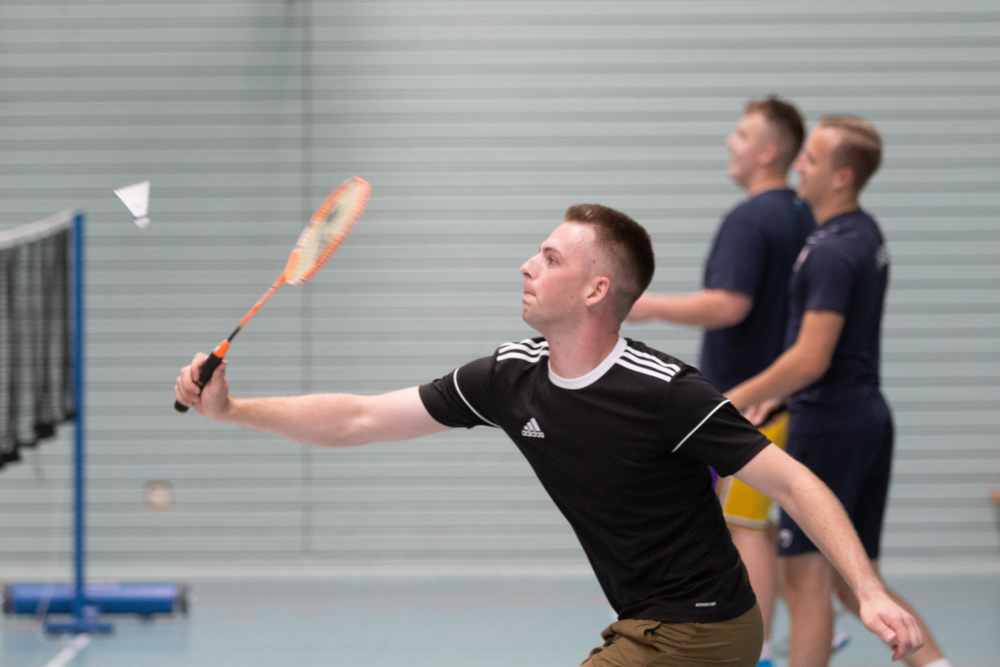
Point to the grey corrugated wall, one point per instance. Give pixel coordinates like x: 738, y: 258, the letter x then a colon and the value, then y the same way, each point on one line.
x: 477, y: 124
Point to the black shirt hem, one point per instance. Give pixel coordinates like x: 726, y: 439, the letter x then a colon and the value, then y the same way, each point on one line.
x: 661, y: 615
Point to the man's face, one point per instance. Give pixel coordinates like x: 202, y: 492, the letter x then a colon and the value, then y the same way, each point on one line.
x: 557, y: 279
x: 745, y: 145
x: 818, y: 179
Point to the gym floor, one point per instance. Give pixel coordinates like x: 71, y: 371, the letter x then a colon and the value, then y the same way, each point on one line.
x: 465, y: 622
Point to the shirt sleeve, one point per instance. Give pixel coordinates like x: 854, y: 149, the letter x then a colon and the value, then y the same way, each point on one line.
x: 829, y: 278
x: 702, y: 423
x: 462, y: 398
x: 736, y: 262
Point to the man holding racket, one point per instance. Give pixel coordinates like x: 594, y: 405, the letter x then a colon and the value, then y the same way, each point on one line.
x: 621, y: 436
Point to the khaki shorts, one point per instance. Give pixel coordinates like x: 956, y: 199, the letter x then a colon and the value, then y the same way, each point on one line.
x: 631, y: 643
x: 743, y: 506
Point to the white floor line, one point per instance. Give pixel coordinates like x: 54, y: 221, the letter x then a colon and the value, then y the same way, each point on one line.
x: 65, y: 656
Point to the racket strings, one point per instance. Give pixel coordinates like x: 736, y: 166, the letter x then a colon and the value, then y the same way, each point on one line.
x: 328, y: 228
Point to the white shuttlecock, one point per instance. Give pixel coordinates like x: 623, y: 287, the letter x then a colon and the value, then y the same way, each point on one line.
x: 136, y: 197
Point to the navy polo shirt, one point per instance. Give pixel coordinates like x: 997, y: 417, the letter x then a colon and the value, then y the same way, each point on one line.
x: 843, y: 268
x: 753, y: 254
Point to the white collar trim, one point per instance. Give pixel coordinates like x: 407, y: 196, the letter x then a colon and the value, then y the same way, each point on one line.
x: 594, y: 375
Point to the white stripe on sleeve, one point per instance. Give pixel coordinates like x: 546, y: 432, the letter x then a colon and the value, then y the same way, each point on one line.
x: 696, y: 427
x: 459, y: 390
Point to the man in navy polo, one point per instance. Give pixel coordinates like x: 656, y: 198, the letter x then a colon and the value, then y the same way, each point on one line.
x: 840, y: 426
x: 743, y: 306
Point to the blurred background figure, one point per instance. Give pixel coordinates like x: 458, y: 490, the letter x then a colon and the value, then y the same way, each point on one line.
x: 840, y: 425
x: 743, y: 305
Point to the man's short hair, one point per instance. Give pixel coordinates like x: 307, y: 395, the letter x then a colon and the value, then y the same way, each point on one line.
x: 786, y: 121
x: 628, y: 246
x: 860, y: 147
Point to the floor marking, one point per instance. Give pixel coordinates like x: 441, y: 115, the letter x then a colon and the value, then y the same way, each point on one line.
x: 65, y: 656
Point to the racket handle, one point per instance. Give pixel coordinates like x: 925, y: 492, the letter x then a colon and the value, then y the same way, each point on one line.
x: 207, y: 369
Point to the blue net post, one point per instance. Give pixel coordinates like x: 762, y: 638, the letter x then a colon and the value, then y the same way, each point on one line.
x: 82, y: 601
x: 84, y: 614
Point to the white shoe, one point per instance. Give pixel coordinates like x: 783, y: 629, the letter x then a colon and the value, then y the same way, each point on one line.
x: 840, y: 637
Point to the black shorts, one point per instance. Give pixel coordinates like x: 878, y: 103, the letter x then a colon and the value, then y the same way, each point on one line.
x: 855, y: 462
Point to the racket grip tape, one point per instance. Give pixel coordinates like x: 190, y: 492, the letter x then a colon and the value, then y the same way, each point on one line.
x: 207, y: 369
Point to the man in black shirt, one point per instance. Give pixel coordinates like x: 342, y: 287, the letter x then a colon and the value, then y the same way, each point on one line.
x: 620, y: 436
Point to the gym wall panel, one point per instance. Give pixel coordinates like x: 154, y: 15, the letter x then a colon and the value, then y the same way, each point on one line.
x: 477, y: 124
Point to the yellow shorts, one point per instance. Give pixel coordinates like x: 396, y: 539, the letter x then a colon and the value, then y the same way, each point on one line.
x: 742, y: 505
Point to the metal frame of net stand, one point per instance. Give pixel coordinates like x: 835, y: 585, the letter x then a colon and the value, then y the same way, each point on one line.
x: 42, y: 356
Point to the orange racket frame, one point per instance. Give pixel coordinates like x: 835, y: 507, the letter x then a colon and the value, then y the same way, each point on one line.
x: 322, y: 215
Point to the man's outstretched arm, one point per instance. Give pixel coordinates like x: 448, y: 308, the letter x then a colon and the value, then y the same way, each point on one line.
x: 707, y: 308
x: 814, y: 507
x: 323, y: 420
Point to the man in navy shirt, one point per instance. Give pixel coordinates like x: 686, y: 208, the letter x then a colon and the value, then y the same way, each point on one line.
x: 620, y: 435
x: 743, y: 305
x: 840, y: 426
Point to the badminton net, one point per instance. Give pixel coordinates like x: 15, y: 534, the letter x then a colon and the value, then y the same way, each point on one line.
x: 36, y: 373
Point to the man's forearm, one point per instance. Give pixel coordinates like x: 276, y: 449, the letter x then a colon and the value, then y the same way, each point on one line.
x: 323, y: 420
x: 806, y: 361
x: 709, y: 309
x: 689, y: 309
x: 789, y: 373
x: 818, y: 512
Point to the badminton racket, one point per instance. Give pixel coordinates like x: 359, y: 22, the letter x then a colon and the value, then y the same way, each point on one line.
x: 329, y: 226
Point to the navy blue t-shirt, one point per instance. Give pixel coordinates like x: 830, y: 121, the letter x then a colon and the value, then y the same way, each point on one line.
x: 753, y: 253
x: 843, y: 268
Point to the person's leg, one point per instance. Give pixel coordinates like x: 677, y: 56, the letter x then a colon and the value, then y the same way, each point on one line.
x: 867, y: 516
x: 808, y: 582
x: 853, y: 459
x: 806, y: 574
x: 747, y: 511
x: 925, y: 656
x: 758, y: 550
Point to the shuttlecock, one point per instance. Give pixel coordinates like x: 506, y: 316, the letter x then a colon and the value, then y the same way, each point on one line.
x: 136, y: 197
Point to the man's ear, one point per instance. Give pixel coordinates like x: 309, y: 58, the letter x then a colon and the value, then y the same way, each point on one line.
x: 600, y: 287
x: 768, y: 154
x: 843, y: 178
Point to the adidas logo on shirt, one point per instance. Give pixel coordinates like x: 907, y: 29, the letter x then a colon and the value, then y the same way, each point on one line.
x: 531, y: 429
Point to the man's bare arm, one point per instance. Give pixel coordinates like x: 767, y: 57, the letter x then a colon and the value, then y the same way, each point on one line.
x: 806, y: 361
x: 323, y: 420
x: 707, y: 308
x: 818, y: 512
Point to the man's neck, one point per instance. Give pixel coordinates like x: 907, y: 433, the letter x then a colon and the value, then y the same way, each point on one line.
x: 826, y: 211
x: 763, y: 181
x: 573, y: 354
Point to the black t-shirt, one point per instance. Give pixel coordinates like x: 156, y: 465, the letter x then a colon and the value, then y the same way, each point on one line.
x: 753, y: 254
x: 843, y: 268
x: 622, y: 451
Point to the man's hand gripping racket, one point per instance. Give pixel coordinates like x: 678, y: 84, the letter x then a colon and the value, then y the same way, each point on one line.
x: 330, y: 225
